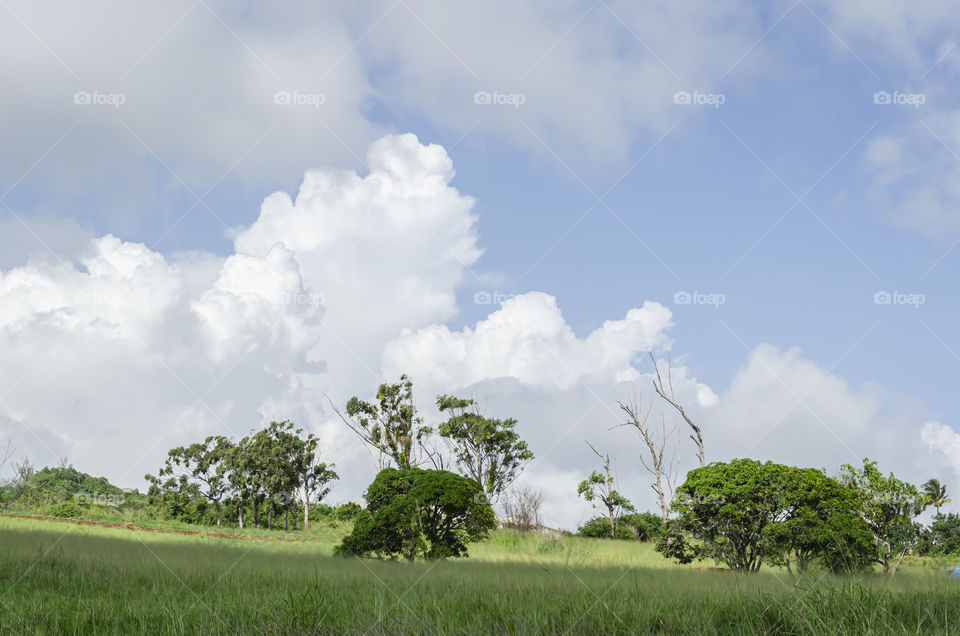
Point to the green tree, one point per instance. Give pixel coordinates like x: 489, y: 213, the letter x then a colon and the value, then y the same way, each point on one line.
x: 889, y: 506
x: 487, y: 450
x: 414, y: 512
x: 942, y: 538
x: 600, y: 487
x: 205, y: 464
x: 937, y: 493
x: 823, y: 524
x: 313, y: 475
x: 391, y: 425
x: 723, y: 511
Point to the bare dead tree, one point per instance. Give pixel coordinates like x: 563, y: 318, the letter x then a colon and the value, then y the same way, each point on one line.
x: 663, y: 468
x: 670, y: 398
x: 521, y: 507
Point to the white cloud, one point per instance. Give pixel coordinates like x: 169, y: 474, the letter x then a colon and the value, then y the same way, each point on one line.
x: 916, y: 178
x: 529, y: 340
x: 386, y: 251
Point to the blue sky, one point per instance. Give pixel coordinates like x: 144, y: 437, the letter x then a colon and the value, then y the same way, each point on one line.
x: 701, y: 199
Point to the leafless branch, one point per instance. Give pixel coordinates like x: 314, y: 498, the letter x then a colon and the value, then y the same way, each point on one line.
x: 670, y: 398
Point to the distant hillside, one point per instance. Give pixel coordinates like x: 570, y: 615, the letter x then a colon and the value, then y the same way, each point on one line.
x: 70, y: 481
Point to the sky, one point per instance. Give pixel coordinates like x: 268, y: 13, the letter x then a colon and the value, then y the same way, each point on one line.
x: 218, y: 214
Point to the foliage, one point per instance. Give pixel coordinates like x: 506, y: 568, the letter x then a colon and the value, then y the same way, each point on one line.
x: 942, y: 538
x: 889, y: 506
x: 744, y: 511
x: 822, y: 526
x: 599, y: 528
x: 415, y: 512
x: 347, y: 511
x: 65, y: 510
x: 391, y: 424
x: 646, y: 526
x: 936, y: 493
x: 487, y: 450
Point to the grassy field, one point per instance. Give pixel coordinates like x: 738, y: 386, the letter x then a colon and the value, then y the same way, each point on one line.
x: 63, y: 578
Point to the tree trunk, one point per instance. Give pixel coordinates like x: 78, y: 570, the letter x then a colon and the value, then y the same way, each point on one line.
x: 240, y: 514
x: 218, y: 513
x: 270, y: 516
x: 613, y: 524
x: 306, y: 513
x: 256, y: 512
x: 286, y: 513
x: 896, y: 566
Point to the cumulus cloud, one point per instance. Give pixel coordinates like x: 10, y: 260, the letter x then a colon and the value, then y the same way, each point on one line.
x: 386, y: 251
x: 529, y: 340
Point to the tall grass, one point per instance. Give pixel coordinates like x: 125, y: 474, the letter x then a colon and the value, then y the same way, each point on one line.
x: 59, y: 578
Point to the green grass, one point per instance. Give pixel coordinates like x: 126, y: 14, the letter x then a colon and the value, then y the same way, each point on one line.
x: 61, y: 578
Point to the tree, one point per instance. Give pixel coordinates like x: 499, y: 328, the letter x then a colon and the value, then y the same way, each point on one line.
x: 601, y: 487
x: 936, y: 492
x: 942, y: 538
x: 725, y: 508
x: 206, y: 463
x: 667, y: 394
x: 889, y: 506
x: 663, y: 470
x: 390, y: 425
x: 415, y: 512
x: 314, y: 475
x: 521, y: 507
x: 822, y: 525
x: 242, y: 479
x: 486, y: 450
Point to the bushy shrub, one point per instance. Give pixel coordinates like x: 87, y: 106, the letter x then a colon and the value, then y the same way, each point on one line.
x: 414, y: 512
x: 65, y: 510
x: 319, y: 512
x: 646, y: 525
x: 599, y: 528
x: 347, y: 511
